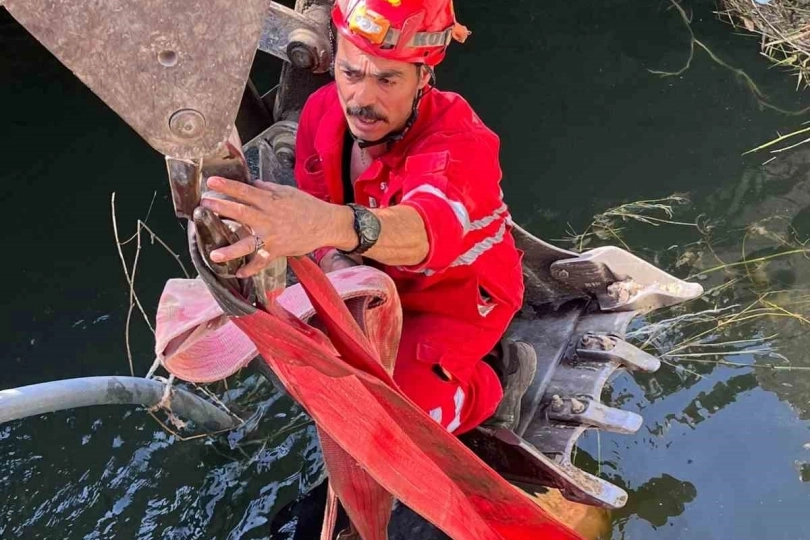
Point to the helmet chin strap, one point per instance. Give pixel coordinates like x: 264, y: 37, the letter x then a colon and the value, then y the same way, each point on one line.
x: 395, y: 136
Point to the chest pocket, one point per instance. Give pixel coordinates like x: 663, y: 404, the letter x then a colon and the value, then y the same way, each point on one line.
x: 420, y: 165
x: 311, y: 178
x: 391, y: 190
x: 433, y: 162
x: 375, y: 184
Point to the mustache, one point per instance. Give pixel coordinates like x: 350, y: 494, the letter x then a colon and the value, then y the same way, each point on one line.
x: 366, y: 113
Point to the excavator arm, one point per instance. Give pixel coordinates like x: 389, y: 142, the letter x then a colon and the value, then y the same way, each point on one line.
x: 175, y: 70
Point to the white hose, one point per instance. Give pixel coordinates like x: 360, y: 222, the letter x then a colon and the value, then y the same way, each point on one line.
x: 36, y: 399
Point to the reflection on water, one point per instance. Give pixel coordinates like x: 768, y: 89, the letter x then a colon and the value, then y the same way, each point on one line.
x: 712, y: 425
x: 644, y: 502
x: 584, y: 126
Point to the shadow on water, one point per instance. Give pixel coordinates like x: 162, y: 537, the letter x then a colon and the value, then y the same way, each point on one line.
x: 584, y: 126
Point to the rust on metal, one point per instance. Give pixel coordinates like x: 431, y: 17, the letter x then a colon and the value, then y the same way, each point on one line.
x: 184, y: 181
x: 187, y: 124
x: 600, y: 342
x: 577, y: 406
x: 230, y: 163
x: 624, y: 291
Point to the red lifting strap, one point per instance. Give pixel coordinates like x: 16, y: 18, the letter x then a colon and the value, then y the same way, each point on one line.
x: 377, y: 444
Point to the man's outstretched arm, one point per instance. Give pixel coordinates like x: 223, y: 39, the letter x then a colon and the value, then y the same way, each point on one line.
x: 291, y: 222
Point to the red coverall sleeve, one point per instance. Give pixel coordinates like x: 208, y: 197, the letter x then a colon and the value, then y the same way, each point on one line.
x: 449, y: 181
x: 308, y: 170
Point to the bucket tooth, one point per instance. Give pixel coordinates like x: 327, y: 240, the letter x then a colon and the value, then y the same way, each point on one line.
x: 594, y: 414
x: 603, y: 347
x: 558, y: 440
x: 556, y: 411
x: 583, y: 379
x: 623, y: 282
x: 520, y: 462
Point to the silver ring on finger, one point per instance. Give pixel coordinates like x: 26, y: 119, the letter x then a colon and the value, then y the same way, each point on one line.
x: 259, y: 242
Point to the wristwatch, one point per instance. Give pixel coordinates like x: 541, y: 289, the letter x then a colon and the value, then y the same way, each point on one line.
x: 366, y: 226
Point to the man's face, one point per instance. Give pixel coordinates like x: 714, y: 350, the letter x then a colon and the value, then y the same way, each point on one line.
x: 376, y: 93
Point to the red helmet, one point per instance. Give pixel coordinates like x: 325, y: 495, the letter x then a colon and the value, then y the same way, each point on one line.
x: 417, y: 31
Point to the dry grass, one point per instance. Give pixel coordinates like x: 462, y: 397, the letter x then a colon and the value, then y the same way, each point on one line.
x: 784, y: 29
x: 704, y: 337
x: 608, y: 226
x: 739, y: 73
x: 728, y: 329
x: 779, y: 140
x: 130, y: 270
x: 726, y: 323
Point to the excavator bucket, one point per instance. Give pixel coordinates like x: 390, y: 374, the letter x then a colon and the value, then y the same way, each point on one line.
x: 177, y: 71
x: 576, y: 311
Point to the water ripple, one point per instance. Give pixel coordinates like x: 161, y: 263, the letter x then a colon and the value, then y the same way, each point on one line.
x: 113, y: 473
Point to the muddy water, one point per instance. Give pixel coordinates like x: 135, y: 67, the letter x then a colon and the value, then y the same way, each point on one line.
x: 584, y: 126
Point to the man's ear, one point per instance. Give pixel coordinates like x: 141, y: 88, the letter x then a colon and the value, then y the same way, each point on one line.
x: 425, y: 76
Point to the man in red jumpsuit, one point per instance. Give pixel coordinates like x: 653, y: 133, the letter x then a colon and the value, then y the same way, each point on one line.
x: 399, y: 175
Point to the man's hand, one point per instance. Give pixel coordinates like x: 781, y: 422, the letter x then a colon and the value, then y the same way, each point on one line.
x: 289, y: 221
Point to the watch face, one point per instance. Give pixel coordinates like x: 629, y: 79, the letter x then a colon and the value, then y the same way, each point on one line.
x: 368, y: 225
